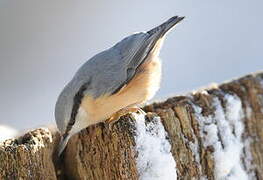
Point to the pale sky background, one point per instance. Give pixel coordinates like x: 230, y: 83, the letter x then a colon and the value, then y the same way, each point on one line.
x: 43, y: 43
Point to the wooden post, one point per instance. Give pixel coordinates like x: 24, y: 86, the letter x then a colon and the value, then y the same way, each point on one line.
x: 212, y: 133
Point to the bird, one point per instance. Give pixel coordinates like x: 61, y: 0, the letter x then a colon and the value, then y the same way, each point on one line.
x: 112, y: 83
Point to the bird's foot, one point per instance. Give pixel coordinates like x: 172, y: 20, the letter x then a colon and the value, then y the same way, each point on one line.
x: 117, y: 115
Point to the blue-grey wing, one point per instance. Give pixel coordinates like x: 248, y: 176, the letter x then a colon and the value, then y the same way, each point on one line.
x: 110, y: 70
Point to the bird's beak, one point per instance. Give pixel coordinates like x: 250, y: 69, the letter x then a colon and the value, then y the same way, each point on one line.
x: 164, y: 28
x: 63, y: 144
x: 159, y: 32
x: 153, y: 40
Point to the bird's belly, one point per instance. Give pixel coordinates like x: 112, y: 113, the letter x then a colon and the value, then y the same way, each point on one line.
x: 141, y: 88
x: 146, y: 83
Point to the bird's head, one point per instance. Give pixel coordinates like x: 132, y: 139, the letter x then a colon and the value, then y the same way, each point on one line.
x: 69, y: 115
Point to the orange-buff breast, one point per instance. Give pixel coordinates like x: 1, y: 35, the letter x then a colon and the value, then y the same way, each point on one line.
x: 141, y: 88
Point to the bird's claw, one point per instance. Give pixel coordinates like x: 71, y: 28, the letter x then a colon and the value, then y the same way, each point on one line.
x: 141, y: 111
x: 116, y: 116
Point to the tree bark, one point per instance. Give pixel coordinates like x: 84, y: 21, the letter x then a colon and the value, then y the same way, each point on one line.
x: 102, y: 153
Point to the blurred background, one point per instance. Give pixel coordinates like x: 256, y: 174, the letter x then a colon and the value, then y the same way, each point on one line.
x: 43, y: 43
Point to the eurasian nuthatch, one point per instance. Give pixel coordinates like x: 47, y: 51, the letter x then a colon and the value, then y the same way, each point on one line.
x: 113, y: 82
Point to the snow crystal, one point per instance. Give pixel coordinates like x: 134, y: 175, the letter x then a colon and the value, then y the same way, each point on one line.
x: 223, y: 132
x: 154, y: 161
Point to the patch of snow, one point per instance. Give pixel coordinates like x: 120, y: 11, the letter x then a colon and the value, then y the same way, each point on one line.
x: 261, y: 81
x: 248, y: 111
x: 154, y: 161
x: 248, y: 159
x: 7, y: 132
x: 260, y: 97
x: 223, y: 131
x: 195, y: 150
x: 203, y: 178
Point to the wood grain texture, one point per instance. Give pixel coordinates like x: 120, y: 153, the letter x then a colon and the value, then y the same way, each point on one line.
x: 100, y: 153
x: 29, y: 156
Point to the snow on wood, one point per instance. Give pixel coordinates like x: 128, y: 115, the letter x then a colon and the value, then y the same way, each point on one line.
x: 223, y: 131
x: 7, y: 132
x: 214, y: 134
x: 154, y: 161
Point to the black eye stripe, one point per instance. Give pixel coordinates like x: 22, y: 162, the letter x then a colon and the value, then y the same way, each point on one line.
x: 76, y: 103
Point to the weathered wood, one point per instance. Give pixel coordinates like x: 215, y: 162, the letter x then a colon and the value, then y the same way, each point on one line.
x: 29, y: 156
x: 183, y: 128
x: 101, y: 153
